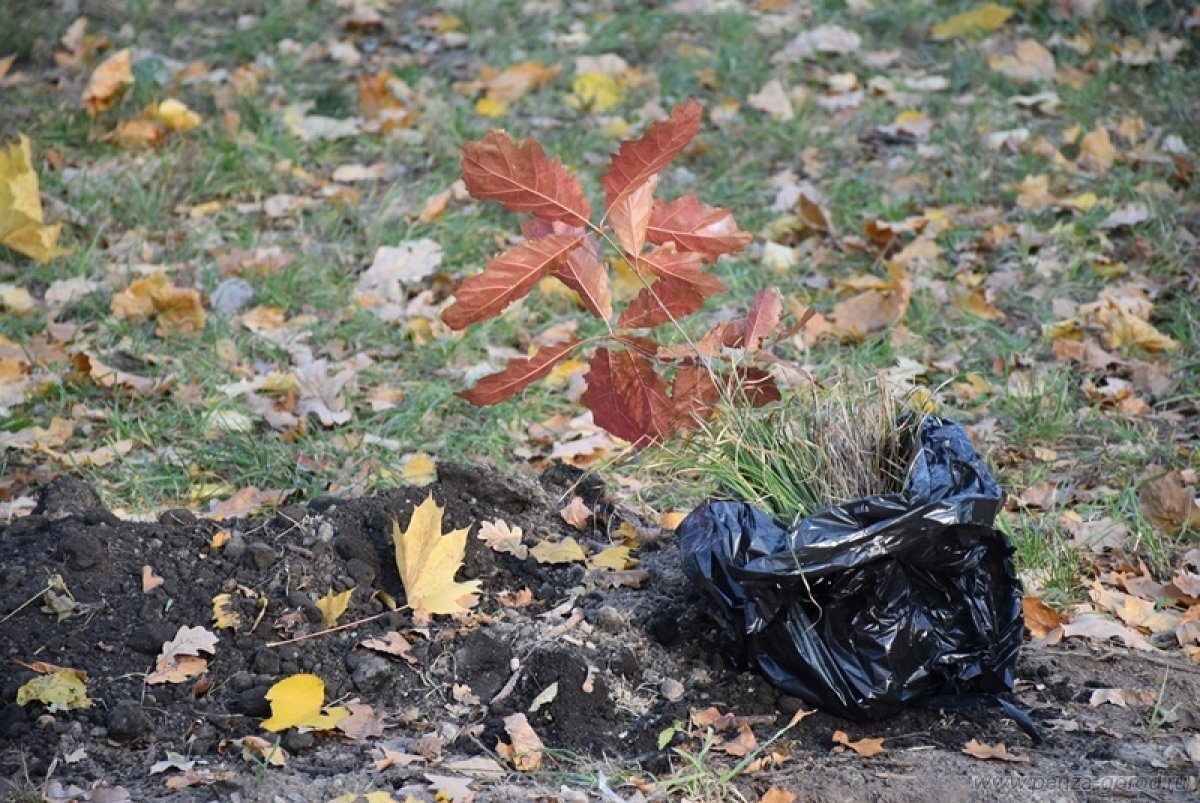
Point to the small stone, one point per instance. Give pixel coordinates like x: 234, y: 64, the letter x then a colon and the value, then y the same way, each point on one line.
x: 127, y: 723
x: 232, y: 295
x: 296, y: 742
x: 235, y: 547
x: 177, y: 517
x: 149, y: 638
x: 325, y: 531
x: 266, y: 661
x: 608, y: 618
x: 259, y: 555
x: 82, y: 550
x: 672, y: 689
x: 361, y: 572
x: 240, y: 681
x: 253, y: 702
x: 371, y: 672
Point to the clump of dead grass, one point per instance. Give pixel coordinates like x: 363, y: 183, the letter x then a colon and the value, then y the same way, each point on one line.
x: 826, y: 445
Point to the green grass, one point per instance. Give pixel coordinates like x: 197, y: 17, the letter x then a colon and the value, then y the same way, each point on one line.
x: 126, y: 207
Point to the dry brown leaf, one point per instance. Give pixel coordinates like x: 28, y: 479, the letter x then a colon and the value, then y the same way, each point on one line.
x: 864, y: 747
x: 777, y: 795
x: 179, y: 659
x: 1040, y: 618
x: 1169, y: 504
x: 392, y: 643
x: 502, y: 537
x: 1096, y: 151
x: 525, y: 752
x: 362, y: 723
x: 150, y: 580
x: 992, y: 752
x: 108, y: 81
x: 1124, y: 698
x: 1029, y: 62
x: 741, y: 744
x: 577, y: 513
x: 1100, y: 628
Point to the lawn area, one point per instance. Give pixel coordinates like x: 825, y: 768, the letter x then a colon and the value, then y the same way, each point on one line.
x: 994, y: 208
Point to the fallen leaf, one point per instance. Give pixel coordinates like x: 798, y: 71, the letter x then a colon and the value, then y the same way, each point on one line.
x: 150, y: 580
x: 361, y: 723
x: 577, y: 513
x: 1100, y: 628
x: 741, y: 744
x: 59, y: 691
x: 595, y: 92
x: 22, y: 225
x: 864, y: 747
x: 981, y: 19
x: 567, y: 550
x: 392, y: 643
x: 525, y: 751
x: 1040, y: 618
x: 827, y: 39
x: 180, y: 658
x: 175, y: 309
x: 613, y: 557
x: 259, y: 750
x: 315, y: 127
x: 381, y: 287
x: 777, y: 795
x: 332, y: 606
x: 109, y: 80
x: 1169, y: 504
x: 502, y: 537
x: 223, y: 614
x: 427, y: 561
x: 419, y: 470
x: 296, y: 702
x: 773, y: 100
x: 451, y: 788
x: 1123, y: 698
x: 176, y: 116
x: 992, y: 752
x: 1128, y: 215
x: 1030, y: 62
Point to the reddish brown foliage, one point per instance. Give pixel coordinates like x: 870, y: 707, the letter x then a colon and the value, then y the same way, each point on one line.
x: 627, y: 377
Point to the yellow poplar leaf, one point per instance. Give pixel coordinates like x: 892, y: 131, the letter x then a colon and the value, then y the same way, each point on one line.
x: 490, y: 107
x: 419, y: 470
x: 176, y: 116
x: 332, y: 606
x: 567, y: 550
x: 60, y: 691
x: 614, y: 557
x: 107, y: 83
x: 223, y: 613
x: 296, y: 702
x: 428, y: 559
x: 594, y: 92
x: 984, y: 18
x: 22, y: 227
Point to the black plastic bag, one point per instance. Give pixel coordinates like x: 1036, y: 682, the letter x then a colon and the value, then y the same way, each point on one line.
x: 868, y: 607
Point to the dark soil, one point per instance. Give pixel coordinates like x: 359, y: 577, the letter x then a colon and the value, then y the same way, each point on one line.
x: 613, y: 653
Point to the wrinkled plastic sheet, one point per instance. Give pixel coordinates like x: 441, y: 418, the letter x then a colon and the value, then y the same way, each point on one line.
x: 865, y: 608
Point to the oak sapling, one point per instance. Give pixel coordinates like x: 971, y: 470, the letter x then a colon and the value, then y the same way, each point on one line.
x: 637, y: 389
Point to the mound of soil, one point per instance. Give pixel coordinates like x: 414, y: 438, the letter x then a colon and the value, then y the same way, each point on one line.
x: 600, y: 672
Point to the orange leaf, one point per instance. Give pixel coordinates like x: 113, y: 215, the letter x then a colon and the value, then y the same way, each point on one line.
x: 680, y: 290
x: 518, y: 374
x: 627, y: 397
x: 864, y: 747
x: 630, y: 216
x: 507, y: 278
x: 1040, y: 618
x: 523, y: 179
x: 693, y: 394
x: 764, y: 315
x: 997, y: 752
x: 692, y: 226
x: 638, y: 159
x: 588, y: 276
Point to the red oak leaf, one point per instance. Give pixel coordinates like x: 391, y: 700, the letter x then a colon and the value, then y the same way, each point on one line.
x: 507, y: 278
x: 518, y: 374
x: 627, y: 397
x: 630, y: 216
x: 523, y: 179
x: 694, y: 394
x: 637, y: 160
x: 588, y: 276
x: 692, y: 226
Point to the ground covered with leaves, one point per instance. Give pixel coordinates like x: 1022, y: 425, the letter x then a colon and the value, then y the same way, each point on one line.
x: 228, y: 232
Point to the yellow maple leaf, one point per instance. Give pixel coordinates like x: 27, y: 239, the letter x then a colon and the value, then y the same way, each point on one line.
x: 984, y: 18
x: 332, y: 606
x: 107, y: 83
x: 428, y: 559
x: 595, y: 92
x: 296, y: 702
x: 59, y: 691
x: 22, y: 227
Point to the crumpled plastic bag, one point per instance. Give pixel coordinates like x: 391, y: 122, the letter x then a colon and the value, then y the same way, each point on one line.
x: 871, y: 606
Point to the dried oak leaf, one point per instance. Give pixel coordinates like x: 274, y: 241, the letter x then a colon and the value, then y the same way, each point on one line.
x: 993, y: 752
x: 427, y: 561
x: 692, y: 226
x: 864, y: 747
x: 108, y: 81
x: 627, y: 397
x: 1040, y: 618
x: 636, y: 160
x: 502, y: 537
x: 518, y: 374
x: 523, y: 179
x: 1169, y: 504
x: 525, y: 752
